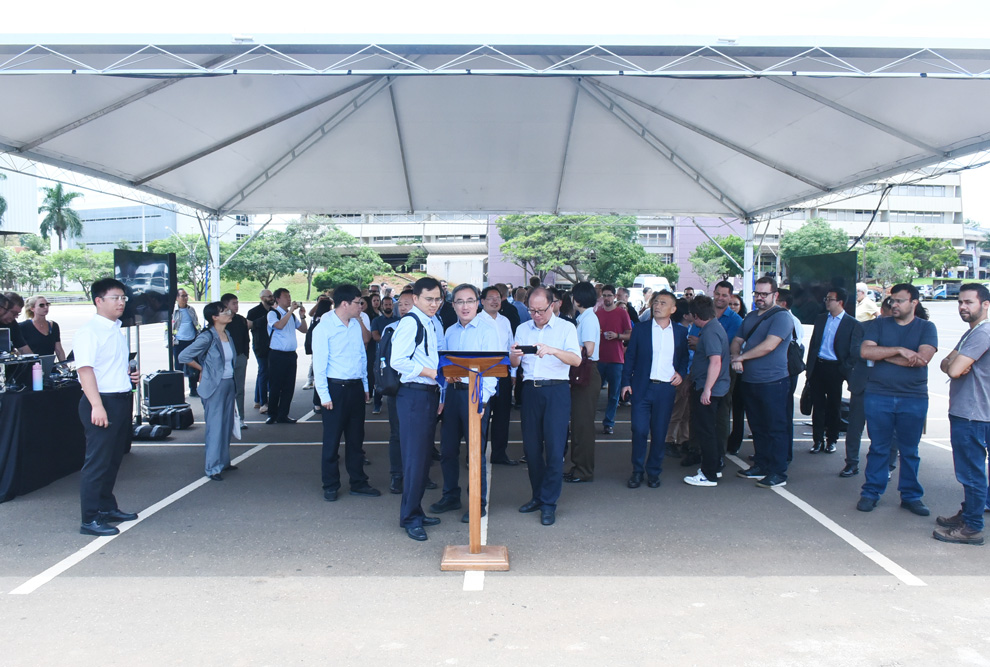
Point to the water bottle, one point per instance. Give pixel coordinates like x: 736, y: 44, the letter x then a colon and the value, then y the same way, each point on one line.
x: 37, y: 381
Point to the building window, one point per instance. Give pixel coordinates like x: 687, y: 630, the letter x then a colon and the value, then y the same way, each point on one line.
x: 654, y: 236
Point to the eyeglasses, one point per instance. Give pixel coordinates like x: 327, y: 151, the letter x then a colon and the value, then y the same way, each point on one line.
x: 466, y: 302
x: 539, y: 311
x: 829, y: 299
x: 116, y: 297
x: 432, y: 299
x: 763, y: 294
x: 901, y: 300
x: 226, y: 312
x: 41, y: 305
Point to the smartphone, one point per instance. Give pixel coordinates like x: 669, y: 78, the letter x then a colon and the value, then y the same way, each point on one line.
x: 528, y: 349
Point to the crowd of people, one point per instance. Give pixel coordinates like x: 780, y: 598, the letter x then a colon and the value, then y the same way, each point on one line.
x: 691, y: 369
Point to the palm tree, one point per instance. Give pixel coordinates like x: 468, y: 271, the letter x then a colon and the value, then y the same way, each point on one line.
x: 61, y: 219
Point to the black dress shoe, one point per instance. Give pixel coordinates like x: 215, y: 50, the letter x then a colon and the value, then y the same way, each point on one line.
x: 608, y: 430
x: 396, y: 485
x: 98, y: 528
x: 229, y: 467
x: 547, y: 516
x: 366, y: 491
x: 330, y: 495
x: 849, y: 471
x: 216, y: 477
x: 829, y: 448
x: 114, y: 516
x: 417, y: 533
x: 431, y: 520
x: 576, y: 479
x: 445, y: 505
x: 653, y: 482
x: 271, y: 420
x: 505, y: 462
x: 467, y: 515
x: 430, y: 484
x: 635, y: 480
x: 286, y: 420
x: 816, y: 447
x: 531, y: 506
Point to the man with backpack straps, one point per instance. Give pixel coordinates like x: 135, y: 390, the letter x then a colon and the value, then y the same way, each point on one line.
x: 417, y: 400
x: 759, y: 353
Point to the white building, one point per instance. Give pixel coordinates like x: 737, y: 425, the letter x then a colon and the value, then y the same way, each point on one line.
x: 104, y: 228
x: 21, y: 192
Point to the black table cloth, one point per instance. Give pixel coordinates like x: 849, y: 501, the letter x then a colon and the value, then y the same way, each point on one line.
x: 41, y: 439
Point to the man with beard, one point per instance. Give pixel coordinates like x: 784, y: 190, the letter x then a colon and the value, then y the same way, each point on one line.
x: 257, y: 320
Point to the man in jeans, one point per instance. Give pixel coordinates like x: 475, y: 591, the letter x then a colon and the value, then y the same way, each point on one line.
x: 896, y: 398
x: 969, y: 417
x: 616, y: 328
x: 759, y: 352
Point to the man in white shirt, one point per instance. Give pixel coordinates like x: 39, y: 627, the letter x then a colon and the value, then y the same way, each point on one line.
x: 282, y: 327
x: 101, y: 354
x: 546, y: 407
x: 501, y: 402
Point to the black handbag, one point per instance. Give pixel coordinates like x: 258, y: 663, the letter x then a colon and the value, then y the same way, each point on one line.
x: 795, y: 357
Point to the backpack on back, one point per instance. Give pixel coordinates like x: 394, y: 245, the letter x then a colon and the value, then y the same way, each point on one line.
x: 387, y: 379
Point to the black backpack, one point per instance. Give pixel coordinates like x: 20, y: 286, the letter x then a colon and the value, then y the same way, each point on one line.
x: 386, y: 377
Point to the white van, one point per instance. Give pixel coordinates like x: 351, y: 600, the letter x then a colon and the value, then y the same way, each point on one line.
x: 654, y: 282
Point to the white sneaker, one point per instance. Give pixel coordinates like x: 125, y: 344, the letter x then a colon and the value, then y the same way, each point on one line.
x: 308, y: 385
x: 699, y: 480
x: 702, y: 474
x: 263, y: 409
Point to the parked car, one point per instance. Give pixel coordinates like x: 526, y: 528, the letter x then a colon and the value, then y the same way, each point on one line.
x: 926, y: 291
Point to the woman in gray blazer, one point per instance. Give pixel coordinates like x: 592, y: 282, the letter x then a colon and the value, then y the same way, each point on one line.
x: 213, y: 354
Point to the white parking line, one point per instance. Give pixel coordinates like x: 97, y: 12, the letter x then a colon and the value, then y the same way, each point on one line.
x: 40, y: 580
x: 850, y: 539
x: 475, y: 580
x: 947, y: 448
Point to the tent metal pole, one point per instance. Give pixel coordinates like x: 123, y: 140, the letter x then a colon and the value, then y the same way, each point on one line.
x: 748, y: 263
x: 214, y: 237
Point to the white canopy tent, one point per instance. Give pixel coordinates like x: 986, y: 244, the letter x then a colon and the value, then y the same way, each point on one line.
x: 648, y: 129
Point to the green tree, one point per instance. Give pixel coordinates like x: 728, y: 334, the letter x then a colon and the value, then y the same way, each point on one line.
x: 619, y: 262
x: 710, y: 263
x: 886, y: 265
x: 359, y: 269
x: 417, y: 254
x: 815, y: 237
x: 30, y: 269
x: 268, y: 257
x: 83, y: 266
x: 59, y: 218
x: 315, y: 244
x: 567, y: 245
x: 191, y: 259
x: 924, y: 255
x: 35, y: 243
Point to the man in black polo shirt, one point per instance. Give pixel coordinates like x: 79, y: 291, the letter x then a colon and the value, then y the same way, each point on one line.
x: 257, y: 321
x: 12, y: 303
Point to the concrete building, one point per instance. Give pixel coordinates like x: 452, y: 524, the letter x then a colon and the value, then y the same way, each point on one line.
x: 21, y: 193
x: 104, y: 228
x: 456, y: 244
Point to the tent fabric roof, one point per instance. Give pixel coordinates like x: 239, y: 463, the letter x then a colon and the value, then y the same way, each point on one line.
x: 635, y: 129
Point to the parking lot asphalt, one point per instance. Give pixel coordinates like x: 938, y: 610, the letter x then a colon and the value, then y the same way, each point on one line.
x: 259, y: 569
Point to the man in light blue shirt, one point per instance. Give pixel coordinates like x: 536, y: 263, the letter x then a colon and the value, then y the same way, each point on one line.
x: 470, y: 333
x: 282, y: 327
x: 414, y: 357
x: 341, y: 378
x: 546, y: 406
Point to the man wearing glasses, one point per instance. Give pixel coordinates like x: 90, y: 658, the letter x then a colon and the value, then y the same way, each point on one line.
x: 759, y: 353
x: 831, y: 357
x: 501, y: 403
x: 415, y: 358
x: 546, y: 405
x: 896, y: 398
x: 11, y: 304
x: 101, y: 354
x: 469, y: 333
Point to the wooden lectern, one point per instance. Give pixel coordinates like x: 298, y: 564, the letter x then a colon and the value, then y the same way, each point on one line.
x: 474, y: 556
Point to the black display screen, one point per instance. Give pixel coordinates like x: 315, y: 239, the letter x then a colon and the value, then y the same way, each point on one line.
x: 150, y: 284
x: 812, y: 276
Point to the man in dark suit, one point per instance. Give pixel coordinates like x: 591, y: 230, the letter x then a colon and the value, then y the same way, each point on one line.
x: 831, y: 358
x: 655, y: 364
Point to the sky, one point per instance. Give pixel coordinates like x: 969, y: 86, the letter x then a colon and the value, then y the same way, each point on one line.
x: 913, y: 22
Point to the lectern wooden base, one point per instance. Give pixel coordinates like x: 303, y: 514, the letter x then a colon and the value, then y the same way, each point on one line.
x: 459, y: 558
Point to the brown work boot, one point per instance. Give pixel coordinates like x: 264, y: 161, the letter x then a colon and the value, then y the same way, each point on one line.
x: 951, y: 521
x: 961, y: 534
